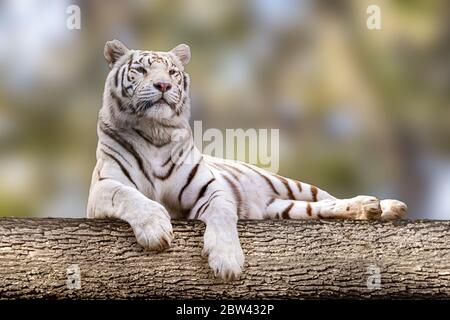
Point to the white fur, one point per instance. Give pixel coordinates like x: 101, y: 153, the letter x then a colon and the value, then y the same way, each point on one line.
x: 148, y: 170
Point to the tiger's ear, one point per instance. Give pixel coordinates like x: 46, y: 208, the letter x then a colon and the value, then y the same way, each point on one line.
x: 182, y: 52
x: 113, y: 51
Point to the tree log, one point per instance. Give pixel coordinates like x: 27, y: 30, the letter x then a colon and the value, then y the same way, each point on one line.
x: 41, y: 258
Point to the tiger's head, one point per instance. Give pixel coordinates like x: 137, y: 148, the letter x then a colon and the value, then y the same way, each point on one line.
x: 147, y: 84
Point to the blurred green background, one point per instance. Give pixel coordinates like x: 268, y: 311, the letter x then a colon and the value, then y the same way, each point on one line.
x: 359, y: 111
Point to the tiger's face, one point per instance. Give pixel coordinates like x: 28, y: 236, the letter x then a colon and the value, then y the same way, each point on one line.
x: 148, y: 84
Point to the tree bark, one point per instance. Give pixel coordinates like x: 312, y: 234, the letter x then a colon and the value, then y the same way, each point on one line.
x: 284, y: 260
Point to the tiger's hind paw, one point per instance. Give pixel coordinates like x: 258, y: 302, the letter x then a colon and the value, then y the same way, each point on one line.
x: 359, y: 208
x: 393, y: 209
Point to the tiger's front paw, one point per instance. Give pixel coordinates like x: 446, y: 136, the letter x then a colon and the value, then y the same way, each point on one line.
x: 226, y: 259
x: 226, y: 262
x: 153, y: 231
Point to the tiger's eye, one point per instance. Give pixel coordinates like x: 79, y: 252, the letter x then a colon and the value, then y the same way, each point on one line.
x: 171, y: 71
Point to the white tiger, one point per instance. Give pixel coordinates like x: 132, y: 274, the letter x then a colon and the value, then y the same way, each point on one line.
x: 149, y: 171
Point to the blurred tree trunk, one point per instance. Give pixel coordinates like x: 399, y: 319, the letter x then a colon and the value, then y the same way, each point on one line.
x: 51, y: 258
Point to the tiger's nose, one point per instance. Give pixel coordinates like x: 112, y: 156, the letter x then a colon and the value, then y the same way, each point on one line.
x: 162, y: 86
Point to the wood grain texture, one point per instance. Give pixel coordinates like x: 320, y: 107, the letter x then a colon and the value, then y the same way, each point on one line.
x: 284, y: 260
